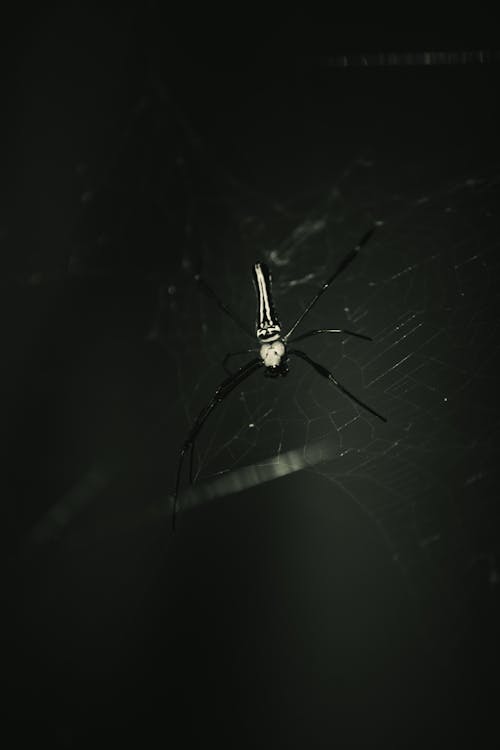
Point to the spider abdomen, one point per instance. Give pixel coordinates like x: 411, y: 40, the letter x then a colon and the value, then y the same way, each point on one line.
x: 267, y: 325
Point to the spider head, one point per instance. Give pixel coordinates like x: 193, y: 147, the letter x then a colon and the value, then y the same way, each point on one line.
x: 278, y: 370
x: 274, y: 358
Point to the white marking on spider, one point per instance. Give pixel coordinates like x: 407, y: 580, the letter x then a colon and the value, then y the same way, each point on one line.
x: 272, y: 352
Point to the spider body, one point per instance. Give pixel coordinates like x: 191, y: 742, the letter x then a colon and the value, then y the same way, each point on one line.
x: 273, y: 349
x: 267, y: 325
x: 274, y: 358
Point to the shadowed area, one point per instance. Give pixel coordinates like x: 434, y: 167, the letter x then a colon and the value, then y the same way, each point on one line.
x: 333, y: 580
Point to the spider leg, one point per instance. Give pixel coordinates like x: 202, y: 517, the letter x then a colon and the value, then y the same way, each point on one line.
x: 225, y: 388
x: 191, y: 464
x: 229, y: 372
x: 330, y: 330
x: 225, y: 309
x: 328, y: 375
x: 341, y: 267
x: 234, y: 354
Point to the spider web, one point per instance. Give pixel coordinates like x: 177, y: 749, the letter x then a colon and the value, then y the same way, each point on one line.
x: 424, y: 288
x: 141, y: 159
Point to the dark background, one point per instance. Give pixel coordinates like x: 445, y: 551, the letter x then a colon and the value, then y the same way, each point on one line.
x: 336, y: 605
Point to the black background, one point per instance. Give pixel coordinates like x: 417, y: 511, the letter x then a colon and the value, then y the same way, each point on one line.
x: 246, y: 628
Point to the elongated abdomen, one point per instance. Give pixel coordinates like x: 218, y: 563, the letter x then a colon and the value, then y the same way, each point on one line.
x: 267, y: 326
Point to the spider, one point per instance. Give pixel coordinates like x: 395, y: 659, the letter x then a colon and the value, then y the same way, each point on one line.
x: 272, y: 348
